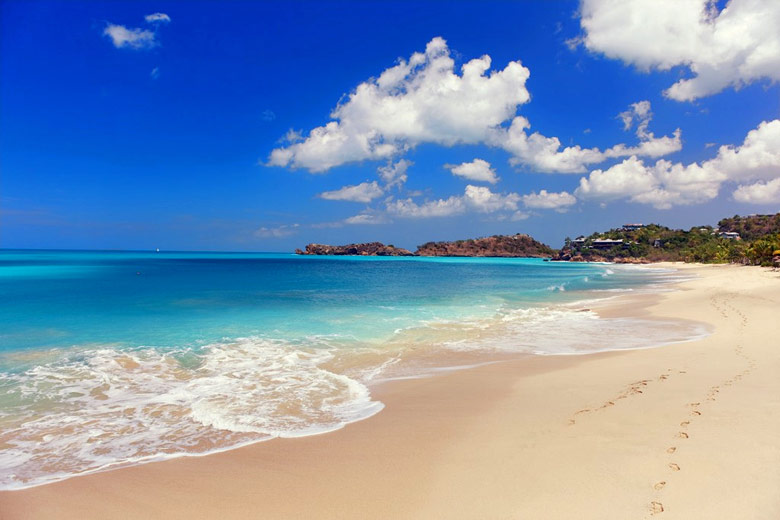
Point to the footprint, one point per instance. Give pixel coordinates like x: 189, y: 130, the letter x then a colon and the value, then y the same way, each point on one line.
x: 656, y: 507
x: 659, y: 485
x: 685, y: 423
x: 671, y: 449
x: 694, y: 405
x: 674, y: 467
x: 695, y: 412
x: 682, y: 435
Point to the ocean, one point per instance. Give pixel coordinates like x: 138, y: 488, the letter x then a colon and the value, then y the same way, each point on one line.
x: 116, y: 358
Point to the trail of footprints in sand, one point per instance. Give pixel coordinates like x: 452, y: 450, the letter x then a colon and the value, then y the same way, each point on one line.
x: 633, y: 389
x: 727, y: 311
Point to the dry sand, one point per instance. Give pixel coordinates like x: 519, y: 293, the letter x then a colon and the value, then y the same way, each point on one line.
x: 690, y: 431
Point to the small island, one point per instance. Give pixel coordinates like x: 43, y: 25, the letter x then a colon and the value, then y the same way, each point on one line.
x: 366, y: 249
x: 505, y: 246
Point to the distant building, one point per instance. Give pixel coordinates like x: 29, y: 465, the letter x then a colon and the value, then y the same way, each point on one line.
x: 578, y: 242
x: 606, y: 243
x: 658, y: 242
x: 632, y: 227
x: 731, y: 235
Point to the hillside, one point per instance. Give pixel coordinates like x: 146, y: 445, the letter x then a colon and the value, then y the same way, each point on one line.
x: 496, y: 246
x: 753, y: 226
x: 751, y: 240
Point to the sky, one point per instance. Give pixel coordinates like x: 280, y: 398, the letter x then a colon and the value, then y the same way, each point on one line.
x: 264, y: 126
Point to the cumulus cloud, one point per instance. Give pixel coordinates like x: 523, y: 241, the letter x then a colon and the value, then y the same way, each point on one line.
x: 666, y: 184
x: 549, y: 200
x: 759, y: 193
x: 546, y: 154
x: 475, y: 198
x: 277, y: 232
x: 732, y: 47
x: 363, y: 192
x: 477, y: 170
x: 424, y: 100
x: 136, y: 38
x: 418, y: 100
x: 394, y: 173
x: 366, y: 219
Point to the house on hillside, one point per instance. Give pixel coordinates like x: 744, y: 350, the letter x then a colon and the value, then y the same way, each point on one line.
x: 632, y: 227
x: 606, y: 243
x: 731, y: 235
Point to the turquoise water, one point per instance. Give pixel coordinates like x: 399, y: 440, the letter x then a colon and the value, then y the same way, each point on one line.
x: 111, y: 358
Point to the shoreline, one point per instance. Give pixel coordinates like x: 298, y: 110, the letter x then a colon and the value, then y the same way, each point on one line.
x: 429, y: 359
x: 428, y: 454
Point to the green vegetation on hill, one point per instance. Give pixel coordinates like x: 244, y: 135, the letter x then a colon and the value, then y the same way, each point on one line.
x: 519, y: 245
x: 753, y: 226
x: 758, y: 243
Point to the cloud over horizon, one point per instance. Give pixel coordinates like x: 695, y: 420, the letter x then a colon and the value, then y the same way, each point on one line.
x: 754, y: 166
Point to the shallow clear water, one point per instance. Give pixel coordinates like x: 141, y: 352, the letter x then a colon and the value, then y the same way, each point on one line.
x: 110, y: 358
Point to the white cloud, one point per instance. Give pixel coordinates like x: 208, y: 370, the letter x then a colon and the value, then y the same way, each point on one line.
x: 549, y: 200
x: 639, y: 112
x: 419, y: 100
x: 477, y: 170
x: 394, y: 174
x: 277, y: 232
x: 649, y: 145
x: 424, y: 100
x: 434, y: 208
x: 545, y: 153
x: 667, y: 184
x: 366, y: 219
x: 363, y: 192
x: 137, y: 39
x: 759, y: 193
x: 732, y: 47
x: 155, y: 73
x: 483, y: 200
x: 157, y: 18
x: 475, y: 198
x: 757, y: 158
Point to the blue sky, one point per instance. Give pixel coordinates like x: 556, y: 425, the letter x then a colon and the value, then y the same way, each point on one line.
x: 266, y: 125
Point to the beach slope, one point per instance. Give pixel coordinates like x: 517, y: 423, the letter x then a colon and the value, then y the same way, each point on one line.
x: 685, y: 431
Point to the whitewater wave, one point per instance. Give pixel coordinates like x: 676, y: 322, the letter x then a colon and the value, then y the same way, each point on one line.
x: 93, y: 409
